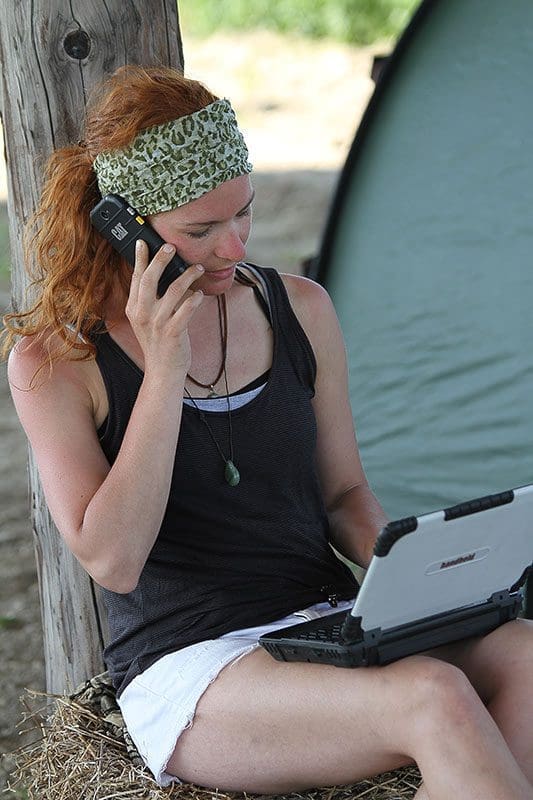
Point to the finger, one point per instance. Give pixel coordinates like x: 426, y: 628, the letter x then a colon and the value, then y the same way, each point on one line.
x: 141, y: 262
x: 185, y: 311
x: 181, y: 289
x: 183, y: 282
x: 150, y: 276
x: 147, y: 295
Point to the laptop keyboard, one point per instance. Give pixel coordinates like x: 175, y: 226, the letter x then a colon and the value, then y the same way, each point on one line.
x: 326, y: 629
x: 332, y: 634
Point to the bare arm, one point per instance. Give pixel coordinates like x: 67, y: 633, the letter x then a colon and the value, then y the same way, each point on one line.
x: 355, y: 515
x: 110, y: 516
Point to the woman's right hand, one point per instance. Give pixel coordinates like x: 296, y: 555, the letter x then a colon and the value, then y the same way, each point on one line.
x: 160, y: 324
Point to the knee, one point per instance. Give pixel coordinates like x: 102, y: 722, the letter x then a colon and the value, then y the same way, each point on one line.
x: 441, y: 699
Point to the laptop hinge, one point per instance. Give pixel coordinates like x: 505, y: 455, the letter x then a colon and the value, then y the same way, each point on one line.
x: 351, y: 631
x: 508, y: 598
x: 522, y: 579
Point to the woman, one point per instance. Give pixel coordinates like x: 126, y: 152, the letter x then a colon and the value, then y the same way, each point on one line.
x: 198, y: 455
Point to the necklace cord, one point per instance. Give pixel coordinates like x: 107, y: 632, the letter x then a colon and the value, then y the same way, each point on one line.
x: 223, y: 328
x: 231, y: 473
x: 230, y: 428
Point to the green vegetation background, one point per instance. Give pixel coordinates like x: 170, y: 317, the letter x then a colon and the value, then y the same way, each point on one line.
x: 353, y: 21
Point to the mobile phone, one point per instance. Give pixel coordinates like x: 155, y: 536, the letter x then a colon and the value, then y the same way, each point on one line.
x: 122, y: 225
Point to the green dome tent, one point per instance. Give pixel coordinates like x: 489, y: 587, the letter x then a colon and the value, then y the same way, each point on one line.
x: 428, y: 253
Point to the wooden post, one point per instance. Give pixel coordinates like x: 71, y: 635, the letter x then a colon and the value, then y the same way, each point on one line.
x: 52, y: 52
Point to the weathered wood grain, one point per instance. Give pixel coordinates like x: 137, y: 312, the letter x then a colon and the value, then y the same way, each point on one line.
x: 52, y: 52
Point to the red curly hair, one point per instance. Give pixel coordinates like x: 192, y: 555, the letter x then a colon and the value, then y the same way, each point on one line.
x: 76, y: 268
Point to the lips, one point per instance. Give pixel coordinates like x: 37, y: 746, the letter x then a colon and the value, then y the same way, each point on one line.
x: 221, y: 274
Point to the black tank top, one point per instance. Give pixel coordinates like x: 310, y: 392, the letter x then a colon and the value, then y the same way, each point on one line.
x: 227, y: 557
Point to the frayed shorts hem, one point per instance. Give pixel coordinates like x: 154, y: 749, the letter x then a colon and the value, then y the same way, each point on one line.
x: 160, y: 703
x: 143, y: 705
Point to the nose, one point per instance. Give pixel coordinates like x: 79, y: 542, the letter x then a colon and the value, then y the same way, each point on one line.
x: 232, y: 244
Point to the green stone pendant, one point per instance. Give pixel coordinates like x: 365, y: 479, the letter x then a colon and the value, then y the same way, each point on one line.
x: 231, y: 473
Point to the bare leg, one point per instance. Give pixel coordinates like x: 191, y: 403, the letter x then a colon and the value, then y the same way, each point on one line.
x: 500, y: 667
x: 269, y: 727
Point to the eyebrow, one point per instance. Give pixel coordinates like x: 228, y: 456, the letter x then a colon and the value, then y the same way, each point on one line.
x: 215, y: 221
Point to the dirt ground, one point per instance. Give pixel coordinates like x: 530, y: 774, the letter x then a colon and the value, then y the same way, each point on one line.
x: 299, y: 104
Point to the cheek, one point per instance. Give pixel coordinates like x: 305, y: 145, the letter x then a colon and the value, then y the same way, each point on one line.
x: 192, y: 251
x: 246, y: 227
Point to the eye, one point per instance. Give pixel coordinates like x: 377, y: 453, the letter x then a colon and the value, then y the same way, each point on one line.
x: 246, y: 212
x: 199, y: 234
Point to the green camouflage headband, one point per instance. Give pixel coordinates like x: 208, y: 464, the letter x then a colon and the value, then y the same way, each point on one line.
x: 171, y: 164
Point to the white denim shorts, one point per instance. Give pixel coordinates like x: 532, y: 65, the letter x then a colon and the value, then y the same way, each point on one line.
x: 160, y: 703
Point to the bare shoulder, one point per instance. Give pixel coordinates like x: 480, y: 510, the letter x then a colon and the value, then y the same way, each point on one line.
x: 305, y: 293
x: 314, y: 309
x: 28, y: 364
x: 37, y: 384
x: 308, y: 298
x: 30, y: 367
